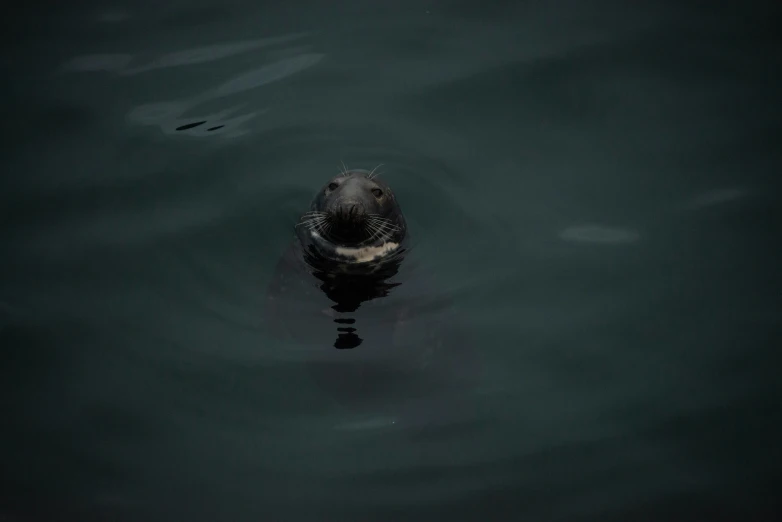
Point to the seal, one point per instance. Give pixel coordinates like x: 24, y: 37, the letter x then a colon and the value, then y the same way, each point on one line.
x: 354, y: 224
x: 348, y: 269
x: 352, y: 240
x: 350, y: 245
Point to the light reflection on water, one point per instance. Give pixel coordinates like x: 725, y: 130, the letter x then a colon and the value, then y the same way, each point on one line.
x: 169, y: 115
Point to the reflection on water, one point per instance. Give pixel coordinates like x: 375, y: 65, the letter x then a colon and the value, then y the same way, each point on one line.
x: 717, y: 197
x: 210, y: 53
x: 119, y: 63
x: 168, y: 115
x: 307, y: 288
x: 349, y: 291
x: 266, y: 74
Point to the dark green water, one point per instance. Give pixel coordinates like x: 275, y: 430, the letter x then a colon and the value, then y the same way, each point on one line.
x: 595, y: 185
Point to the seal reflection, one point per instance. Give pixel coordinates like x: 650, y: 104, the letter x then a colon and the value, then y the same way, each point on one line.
x: 349, y: 289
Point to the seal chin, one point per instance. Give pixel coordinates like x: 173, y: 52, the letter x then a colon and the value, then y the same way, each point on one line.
x: 373, y: 252
x: 347, y: 225
x: 367, y: 254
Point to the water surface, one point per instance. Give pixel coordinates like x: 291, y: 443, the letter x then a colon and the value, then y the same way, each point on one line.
x: 593, y: 185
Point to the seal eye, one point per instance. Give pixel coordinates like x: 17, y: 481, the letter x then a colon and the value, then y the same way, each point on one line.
x: 333, y: 186
x: 377, y: 192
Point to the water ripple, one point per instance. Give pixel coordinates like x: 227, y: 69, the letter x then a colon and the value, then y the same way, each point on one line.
x: 168, y: 114
x: 717, y: 197
x: 119, y: 62
x: 267, y: 74
x: 98, y: 62
x: 209, y: 53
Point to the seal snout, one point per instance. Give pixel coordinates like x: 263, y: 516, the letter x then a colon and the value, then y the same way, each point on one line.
x: 353, y: 210
x: 349, y: 212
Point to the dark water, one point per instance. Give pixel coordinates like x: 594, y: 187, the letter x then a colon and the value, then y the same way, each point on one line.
x: 595, y: 185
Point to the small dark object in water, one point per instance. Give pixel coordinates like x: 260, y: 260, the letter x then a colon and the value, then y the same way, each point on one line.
x: 190, y: 125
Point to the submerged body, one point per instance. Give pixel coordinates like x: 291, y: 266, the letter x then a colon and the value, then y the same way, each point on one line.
x: 374, y: 333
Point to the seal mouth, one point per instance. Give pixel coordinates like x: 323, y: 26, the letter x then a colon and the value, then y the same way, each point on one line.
x: 349, y: 226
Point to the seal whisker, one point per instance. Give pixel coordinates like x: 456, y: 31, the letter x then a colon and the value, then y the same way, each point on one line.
x: 381, y: 222
x: 372, y: 172
x: 390, y: 223
x: 384, y: 223
x: 367, y: 230
x: 344, y: 169
x: 378, y: 218
x: 309, y: 219
x: 376, y: 231
x: 313, y: 222
x: 381, y: 230
x: 321, y: 226
x: 305, y: 219
x: 374, y: 226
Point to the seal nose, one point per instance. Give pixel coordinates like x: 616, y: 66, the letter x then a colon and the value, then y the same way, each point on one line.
x: 350, y: 211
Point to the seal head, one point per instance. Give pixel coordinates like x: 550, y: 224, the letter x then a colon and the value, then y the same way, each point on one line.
x: 353, y: 221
